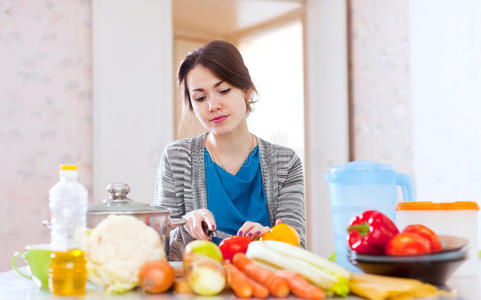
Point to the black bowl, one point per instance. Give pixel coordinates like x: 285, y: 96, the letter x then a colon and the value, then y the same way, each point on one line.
x: 431, y: 268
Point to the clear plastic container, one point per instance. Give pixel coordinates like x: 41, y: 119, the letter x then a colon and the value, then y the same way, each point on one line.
x: 447, y: 218
x: 68, y: 209
x: 358, y: 186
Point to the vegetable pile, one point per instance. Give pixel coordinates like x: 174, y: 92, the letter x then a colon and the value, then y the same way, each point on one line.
x: 262, y: 268
x: 374, y: 233
x: 122, y: 253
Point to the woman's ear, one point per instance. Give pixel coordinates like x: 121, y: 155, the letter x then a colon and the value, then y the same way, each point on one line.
x: 249, y: 99
x: 250, y: 94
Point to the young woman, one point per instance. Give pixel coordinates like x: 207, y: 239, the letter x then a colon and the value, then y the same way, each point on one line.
x: 226, y: 178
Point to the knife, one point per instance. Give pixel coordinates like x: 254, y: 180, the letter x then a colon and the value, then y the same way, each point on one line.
x: 215, y: 233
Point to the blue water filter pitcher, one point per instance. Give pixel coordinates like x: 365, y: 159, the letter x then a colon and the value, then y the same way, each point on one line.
x: 359, y: 186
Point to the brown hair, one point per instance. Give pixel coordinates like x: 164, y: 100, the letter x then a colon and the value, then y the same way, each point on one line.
x: 224, y: 60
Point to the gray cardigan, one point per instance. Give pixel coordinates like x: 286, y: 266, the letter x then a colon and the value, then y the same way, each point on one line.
x: 180, y: 185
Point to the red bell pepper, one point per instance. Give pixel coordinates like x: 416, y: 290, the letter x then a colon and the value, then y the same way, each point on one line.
x: 233, y: 245
x: 370, y: 232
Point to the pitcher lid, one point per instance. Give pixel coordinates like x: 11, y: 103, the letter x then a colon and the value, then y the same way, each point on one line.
x: 361, y: 172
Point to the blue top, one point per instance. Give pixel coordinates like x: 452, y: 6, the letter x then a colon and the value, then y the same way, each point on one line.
x: 235, y: 199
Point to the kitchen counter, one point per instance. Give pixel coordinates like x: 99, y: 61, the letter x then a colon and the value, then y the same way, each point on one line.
x: 13, y: 286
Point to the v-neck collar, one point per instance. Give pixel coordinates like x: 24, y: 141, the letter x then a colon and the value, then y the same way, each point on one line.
x: 249, y: 157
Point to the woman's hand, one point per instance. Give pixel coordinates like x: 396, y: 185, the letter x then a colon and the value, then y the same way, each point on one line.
x: 194, y: 221
x: 254, y: 230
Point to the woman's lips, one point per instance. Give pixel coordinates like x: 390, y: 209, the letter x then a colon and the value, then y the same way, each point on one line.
x: 219, y: 119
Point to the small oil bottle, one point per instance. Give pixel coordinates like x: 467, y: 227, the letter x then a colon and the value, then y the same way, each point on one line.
x: 68, y: 208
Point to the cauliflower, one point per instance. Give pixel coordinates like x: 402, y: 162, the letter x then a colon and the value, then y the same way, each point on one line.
x: 116, y: 249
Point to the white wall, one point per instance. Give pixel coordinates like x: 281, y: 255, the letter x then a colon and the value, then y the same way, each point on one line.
x: 446, y: 98
x: 132, y: 64
x: 326, y: 114
x: 45, y: 112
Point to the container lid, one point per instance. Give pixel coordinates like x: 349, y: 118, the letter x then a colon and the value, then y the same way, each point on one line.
x: 458, y: 205
x: 362, y: 172
x: 119, y: 203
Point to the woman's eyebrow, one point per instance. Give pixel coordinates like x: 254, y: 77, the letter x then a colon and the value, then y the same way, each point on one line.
x: 215, y: 85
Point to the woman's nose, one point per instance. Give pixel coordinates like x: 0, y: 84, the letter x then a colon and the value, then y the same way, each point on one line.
x: 214, y: 104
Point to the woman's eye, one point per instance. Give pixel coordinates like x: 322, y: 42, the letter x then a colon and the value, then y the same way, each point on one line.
x: 200, y: 99
x: 223, y: 92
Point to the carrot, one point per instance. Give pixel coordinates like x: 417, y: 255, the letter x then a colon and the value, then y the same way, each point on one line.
x: 238, y: 281
x: 276, y: 285
x: 300, y: 286
x: 258, y: 290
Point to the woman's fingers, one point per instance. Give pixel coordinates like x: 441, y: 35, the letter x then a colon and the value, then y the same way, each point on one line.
x: 252, y: 230
x: 189, y: 226
x: 259, y: 231
x: 245, y: 228
x: 209, y: 219
x: 205, y: 223
x: 194, y: 220
x: 198, y: 231
x: 278, y: 221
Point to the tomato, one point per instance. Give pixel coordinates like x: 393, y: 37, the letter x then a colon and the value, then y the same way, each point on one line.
x: 233, y: 245
x: 283, y: 233
x: 434, y: 242
x: 408, y: 244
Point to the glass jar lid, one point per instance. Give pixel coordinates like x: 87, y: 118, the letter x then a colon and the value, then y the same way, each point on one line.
x: 119, y: 203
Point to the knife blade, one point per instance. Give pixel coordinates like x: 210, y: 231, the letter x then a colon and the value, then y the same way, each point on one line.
x: 221, y: 234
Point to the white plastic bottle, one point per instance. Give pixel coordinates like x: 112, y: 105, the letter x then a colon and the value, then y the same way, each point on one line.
x: 68, y: 209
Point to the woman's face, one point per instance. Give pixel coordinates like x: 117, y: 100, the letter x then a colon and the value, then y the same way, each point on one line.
x: 219, y: 106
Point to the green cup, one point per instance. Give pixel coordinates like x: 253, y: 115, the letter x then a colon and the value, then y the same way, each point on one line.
x: 38, y: 260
